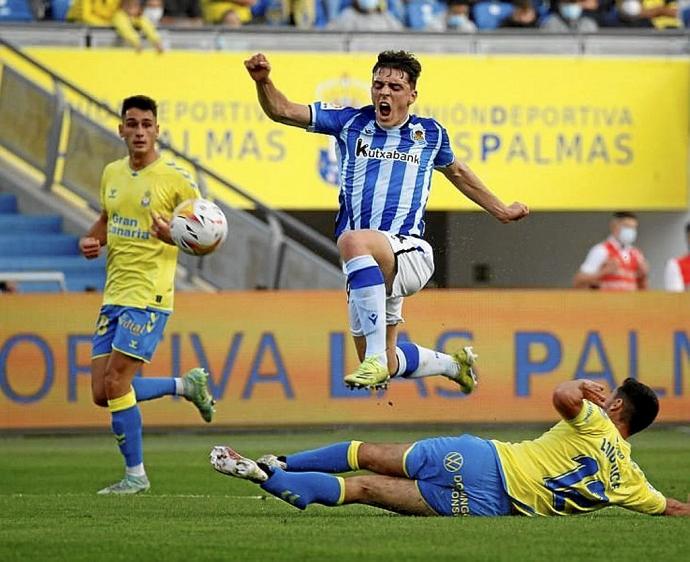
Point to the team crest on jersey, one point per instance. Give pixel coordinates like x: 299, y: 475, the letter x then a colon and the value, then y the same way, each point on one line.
x: 113, y: 193
x: 417, y: 134
x: 146, y: 199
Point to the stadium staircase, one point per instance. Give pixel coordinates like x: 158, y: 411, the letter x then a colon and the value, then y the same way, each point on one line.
x: 38, y: 256
x: 57, y: 170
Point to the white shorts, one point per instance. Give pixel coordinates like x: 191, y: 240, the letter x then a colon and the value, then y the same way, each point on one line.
x: 414, y: 266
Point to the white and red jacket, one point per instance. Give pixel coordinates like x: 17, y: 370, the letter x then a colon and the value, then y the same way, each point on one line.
x: 628, y: 260
x: 677, y: 274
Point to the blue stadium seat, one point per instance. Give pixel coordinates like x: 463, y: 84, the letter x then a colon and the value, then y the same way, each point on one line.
x: 685, y: 16
x: 8, y: 203
x: 59, y: 9
x: 15, y: 10
x: 36, y: 243
x: 421, y: 12
x: 490, y: 14
x: 67, y: 264
x: 15, y: 223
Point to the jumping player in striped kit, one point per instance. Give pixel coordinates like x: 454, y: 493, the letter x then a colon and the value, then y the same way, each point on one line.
x: 386, y: 158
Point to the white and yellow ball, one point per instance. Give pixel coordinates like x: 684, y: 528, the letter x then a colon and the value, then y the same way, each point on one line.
x: 198, y: 227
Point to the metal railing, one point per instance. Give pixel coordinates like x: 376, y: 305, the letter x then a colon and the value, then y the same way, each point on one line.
x: 606, y: 42
x: 278, y: 226
x: 56, y: 277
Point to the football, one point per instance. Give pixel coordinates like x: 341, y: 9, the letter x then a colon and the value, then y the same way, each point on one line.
x: 198, y: 227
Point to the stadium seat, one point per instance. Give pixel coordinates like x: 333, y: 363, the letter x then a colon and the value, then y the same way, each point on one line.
x: 685, y: 16
x: 59, y: 9
x: 36, y: 243
x: 8, y: 203
x: 15, y: 10
x: 421, y: 12
x: 490, y: 14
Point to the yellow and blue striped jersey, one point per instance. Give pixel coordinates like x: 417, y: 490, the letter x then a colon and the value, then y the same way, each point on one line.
x: 140, y: 268
x: 579, y: 465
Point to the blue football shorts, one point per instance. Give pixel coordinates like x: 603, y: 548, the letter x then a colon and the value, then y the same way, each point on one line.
x: 133, y: 331
x: 458, y: 476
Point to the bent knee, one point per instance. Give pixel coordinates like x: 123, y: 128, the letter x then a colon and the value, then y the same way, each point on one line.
x: 349, y: 242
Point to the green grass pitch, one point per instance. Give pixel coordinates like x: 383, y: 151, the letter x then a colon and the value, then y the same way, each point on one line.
x: 49, y: 510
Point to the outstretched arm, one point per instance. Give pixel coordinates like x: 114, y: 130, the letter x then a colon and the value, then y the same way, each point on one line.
x: 97, y: 236
x: 675, y: 508
x: 273, y: 101
x: 467, y: 182
x: 568, y: 396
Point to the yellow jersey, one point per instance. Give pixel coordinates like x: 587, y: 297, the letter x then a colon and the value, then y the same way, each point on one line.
x: 140, y: 269
x: 579, y: 465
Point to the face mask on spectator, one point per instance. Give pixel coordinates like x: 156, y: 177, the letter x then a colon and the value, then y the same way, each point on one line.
x: 631, y: 8
x: 570, y: 11
x: 368, y: 5
x: 456, y: 21
x: 153, y: 13
x: 627, y: 235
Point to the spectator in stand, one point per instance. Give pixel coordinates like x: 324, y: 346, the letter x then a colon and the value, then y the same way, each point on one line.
x: 660, y: 14
x: 124, y: 15
x: 153, y: 11
x: 566, y: 16
x: 599, y: 10
x: 615, y: 264
x: 228, y: 13
x: 182, y: 13
x: 452, y: 16
x: 524, y: 16
x: 458, y: 17
x: 426, y: 15
x: 365, y: 15
x: 677, y: 274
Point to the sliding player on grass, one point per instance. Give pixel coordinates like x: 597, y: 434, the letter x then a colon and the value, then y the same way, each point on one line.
x: 581, y: 464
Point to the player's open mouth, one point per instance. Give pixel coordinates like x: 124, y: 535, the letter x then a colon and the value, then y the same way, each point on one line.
x: 384, y: 109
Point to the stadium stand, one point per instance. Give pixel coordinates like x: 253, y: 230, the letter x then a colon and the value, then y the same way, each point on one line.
x: 268, y: 248
x: 35, y: 252
x: 15, y: 10
x: 489, y: 15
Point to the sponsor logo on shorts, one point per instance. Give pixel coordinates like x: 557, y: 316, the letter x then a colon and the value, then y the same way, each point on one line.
x: 459, y: 502
x: 453, y: 461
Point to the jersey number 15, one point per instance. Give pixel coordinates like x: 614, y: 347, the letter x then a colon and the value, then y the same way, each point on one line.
x: 563, y: 486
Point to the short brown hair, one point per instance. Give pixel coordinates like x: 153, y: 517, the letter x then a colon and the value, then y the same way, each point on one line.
x: 400, y: 60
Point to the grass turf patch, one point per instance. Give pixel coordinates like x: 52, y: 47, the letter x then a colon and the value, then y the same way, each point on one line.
x: 49, y: 510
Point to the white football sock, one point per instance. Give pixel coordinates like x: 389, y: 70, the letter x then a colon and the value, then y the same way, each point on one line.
x: 137, y: 470
x: 179, y: 386
x: 433, y: 363
x: 369, y: 298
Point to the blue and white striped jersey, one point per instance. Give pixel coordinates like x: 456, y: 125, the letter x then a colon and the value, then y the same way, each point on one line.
x: 385, y: 174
